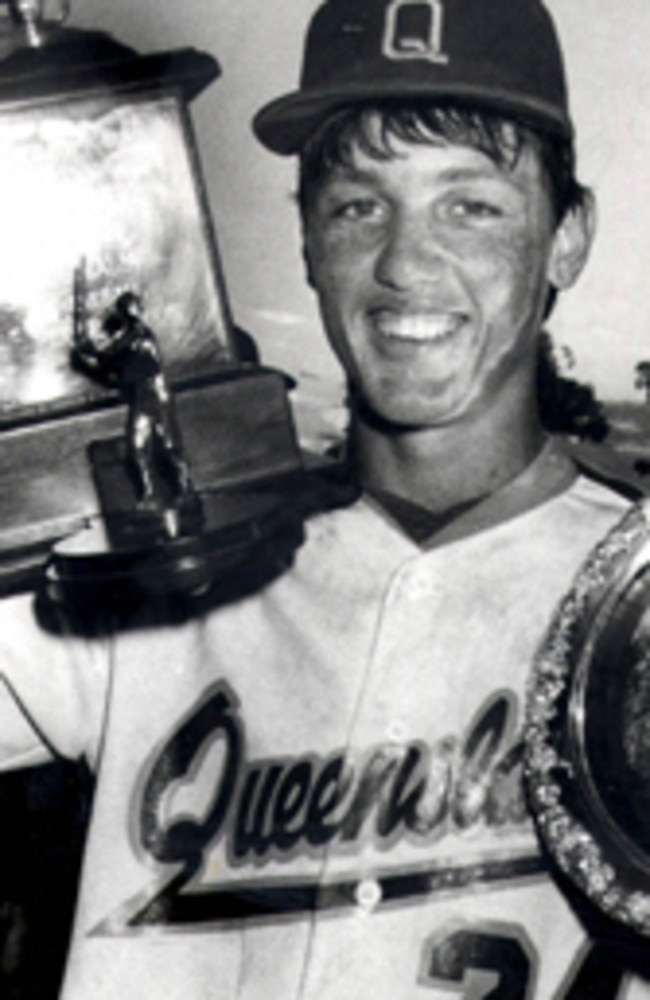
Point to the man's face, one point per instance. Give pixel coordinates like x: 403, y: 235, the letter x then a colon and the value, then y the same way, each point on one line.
x: 432, y: 272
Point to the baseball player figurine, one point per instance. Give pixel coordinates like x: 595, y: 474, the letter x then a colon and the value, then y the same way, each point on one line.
x: 316, y: 792
x: 130, y: 356
x: 125, y: 353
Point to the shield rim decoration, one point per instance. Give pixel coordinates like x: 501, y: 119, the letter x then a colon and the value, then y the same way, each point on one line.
x: 570, y: 715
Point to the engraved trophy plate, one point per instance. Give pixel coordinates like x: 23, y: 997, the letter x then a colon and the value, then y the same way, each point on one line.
x: 588, y: 728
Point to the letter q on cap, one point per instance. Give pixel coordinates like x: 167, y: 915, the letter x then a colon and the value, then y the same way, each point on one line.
x: 413, y: 30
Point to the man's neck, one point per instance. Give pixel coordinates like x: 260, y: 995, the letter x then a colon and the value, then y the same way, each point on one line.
x: 444, y: 467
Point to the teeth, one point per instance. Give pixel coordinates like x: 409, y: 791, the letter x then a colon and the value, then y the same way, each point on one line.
x: 418, y: 326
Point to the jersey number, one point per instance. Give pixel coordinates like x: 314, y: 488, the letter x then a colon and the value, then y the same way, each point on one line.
x: 498, y: 963
x: 490, y: 965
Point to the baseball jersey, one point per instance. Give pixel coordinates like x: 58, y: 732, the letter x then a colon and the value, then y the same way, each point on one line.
x: 315, y: 793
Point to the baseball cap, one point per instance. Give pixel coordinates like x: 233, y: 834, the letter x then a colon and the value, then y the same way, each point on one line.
x: 502, y: 55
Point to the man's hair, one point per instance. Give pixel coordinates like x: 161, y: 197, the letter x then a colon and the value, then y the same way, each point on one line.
x: 372, y: 129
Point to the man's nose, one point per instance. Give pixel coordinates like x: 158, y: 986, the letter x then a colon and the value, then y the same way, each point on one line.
x: 411, y: 253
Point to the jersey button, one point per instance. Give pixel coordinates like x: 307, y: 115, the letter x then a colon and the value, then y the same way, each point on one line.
x: 396, y: 731
x: 368, y: 895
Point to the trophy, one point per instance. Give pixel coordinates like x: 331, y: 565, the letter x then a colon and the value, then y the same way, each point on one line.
x: 144, y: 454
x: 588, y: 731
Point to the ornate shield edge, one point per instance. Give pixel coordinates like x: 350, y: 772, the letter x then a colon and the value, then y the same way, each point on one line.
x: 579, y: 835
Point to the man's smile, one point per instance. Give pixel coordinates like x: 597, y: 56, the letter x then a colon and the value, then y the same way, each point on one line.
x: 419, y: 326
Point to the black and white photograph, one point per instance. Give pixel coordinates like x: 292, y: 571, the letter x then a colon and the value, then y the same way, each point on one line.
x: 325, y: 500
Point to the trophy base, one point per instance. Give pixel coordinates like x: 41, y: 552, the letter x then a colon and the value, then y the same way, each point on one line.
x: 238, y: 534
x: 64, y: 471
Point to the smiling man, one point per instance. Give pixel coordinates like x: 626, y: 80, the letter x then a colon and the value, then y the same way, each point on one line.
x: 317, y: 792
x: 432, y: 263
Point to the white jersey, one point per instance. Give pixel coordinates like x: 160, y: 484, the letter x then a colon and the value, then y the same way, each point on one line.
x: 316, y: 793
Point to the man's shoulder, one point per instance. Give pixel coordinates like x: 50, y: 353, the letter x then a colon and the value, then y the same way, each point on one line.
x: 593, y: 504
x: 582, y: 517
x: 598, y: 501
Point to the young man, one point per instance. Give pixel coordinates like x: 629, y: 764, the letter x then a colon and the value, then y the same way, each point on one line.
x: 317, y: 791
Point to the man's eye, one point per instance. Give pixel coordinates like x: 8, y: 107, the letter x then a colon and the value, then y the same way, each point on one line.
x: 470, y: 208
x: 359, y: 209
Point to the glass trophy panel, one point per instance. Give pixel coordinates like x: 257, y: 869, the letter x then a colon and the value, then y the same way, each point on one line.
x: 106, y: 188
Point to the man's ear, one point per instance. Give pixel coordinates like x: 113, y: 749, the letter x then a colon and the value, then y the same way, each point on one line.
x: 572, y: 243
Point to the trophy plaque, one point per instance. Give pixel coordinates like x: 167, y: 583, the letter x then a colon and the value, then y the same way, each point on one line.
x: 142, y: 452
x: 588, y: 731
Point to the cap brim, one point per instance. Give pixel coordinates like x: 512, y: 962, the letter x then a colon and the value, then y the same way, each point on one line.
x: 284, y: 125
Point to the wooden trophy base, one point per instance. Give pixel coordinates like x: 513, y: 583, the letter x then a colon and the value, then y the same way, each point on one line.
x: 239, y: 534
x: 65, y: 477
